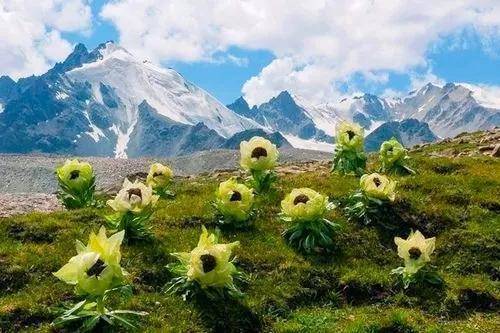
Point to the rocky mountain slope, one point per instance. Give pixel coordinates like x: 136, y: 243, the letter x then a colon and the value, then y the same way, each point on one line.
x: 106, y: 102
x: 91, y: 103
x: 448, y: 111
x: 282, y: 114
x: 409, y: 132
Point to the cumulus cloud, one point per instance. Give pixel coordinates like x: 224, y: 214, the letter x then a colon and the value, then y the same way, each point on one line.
x: 417, y: 80
x: 317, y: 43
x: 487, y: 95
x: 30, y: 38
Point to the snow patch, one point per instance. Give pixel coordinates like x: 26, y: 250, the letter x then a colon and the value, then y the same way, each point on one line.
x: 300, y: 143
x: 60, y: 95
x: 114, y: 129
x: 374, y: 126
x: 424, y: 106
x: 96, y: 133
x: 122, y: 141
x: 324, y: 116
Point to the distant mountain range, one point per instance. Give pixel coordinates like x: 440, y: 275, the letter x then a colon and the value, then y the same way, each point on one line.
x: 106, y: 102
x: 435, y: 112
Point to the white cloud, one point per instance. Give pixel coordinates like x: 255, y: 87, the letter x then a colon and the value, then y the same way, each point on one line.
x: 317, y: 43
x: 417, y: 80
x: 30, y: 38
x: 238, y: 61
x: 488, y: 96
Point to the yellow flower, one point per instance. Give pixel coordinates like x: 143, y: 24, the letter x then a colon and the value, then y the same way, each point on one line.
x: 133, y: 197
x: 258, y: 154
x: 159, y: 176
x: 378, y: 186
x: 108, y: 248
x: 392, y: 151
x: 415, y: 250
x: 350, y: 135
x: 96, y: 267
x: 234, y: 200
x: 209, y: 263
x: 77, y: 176
x: 304, y: 204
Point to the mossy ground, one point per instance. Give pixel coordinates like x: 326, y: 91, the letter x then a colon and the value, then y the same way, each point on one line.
x: 456, y: 200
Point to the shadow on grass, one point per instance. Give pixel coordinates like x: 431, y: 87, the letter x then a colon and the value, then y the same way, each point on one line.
x: 227, y: 315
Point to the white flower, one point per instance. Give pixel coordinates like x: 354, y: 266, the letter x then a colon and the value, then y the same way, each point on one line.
x: 258, y: 154
x: 133, y: 197
x: 415, y: 250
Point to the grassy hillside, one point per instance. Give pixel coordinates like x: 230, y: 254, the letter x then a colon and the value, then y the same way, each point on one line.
x: 455, y: 199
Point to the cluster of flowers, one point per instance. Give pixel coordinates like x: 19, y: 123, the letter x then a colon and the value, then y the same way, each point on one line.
x: 209, y: 268
x: 376, y: 193
x: 133, y: 205
x: 350, y: 157
x: 95, y: 271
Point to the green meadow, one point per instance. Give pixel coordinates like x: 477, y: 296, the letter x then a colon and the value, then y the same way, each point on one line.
x: 457, y: 200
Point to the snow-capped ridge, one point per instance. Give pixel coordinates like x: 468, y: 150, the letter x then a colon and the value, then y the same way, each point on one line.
x: 448, y: 109
x: 165, y: 90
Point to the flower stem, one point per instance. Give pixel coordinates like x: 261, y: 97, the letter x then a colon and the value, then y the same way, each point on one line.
x: 100, y: 305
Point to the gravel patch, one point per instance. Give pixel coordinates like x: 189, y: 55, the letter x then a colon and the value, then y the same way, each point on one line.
x: 35, y: 173
x: 21, y: 203
x: 28, y: 183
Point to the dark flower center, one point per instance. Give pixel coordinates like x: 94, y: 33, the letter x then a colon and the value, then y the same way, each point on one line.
x: 351, y: 134
x: 236, y: 196
x: 74, y: 174
x: 415, y: 253
x: 377, y: 182
x: 208, y: 262
x: 302, y: 198
x: 157, y: 173
x: 134, y: 191
x: 259, y: 152
x: 96, y: 268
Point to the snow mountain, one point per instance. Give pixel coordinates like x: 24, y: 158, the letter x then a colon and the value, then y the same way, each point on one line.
x: 408, y: 132
x: 434, y: 112
x: 282, y: 114
x: 108, y: 103
x: 449, y: 110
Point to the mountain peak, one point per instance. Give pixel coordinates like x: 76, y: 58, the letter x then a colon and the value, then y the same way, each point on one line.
x: 75, y: 59
x: 408, y: 132
x: 371, y: 98
x: 241, y: 107
x: 6, y: 79
x: 284, y: 95
x: 79, y: 48
x: 110, y: 49
x: 284, y: 98
x: 241, y: 100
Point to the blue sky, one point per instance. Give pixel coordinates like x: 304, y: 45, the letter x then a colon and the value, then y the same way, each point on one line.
x: 321, y: 49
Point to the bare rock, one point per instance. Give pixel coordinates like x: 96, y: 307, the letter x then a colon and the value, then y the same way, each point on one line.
x: 22, y: 203
x: 496, y: 151
x: 486, y: 148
